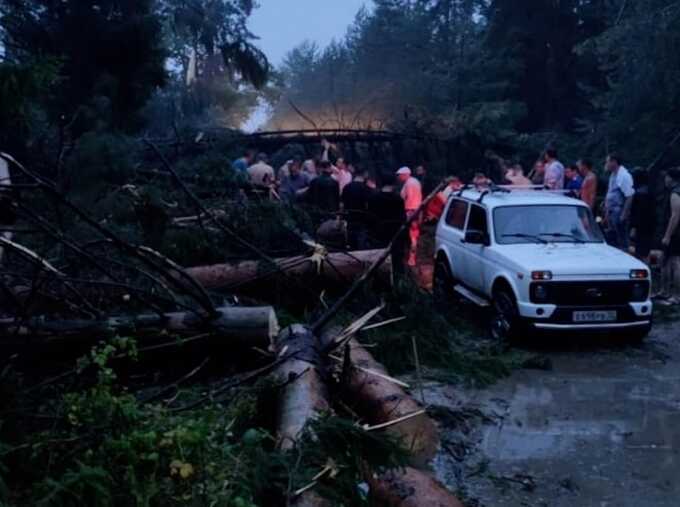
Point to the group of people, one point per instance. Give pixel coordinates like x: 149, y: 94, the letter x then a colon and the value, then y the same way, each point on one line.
x: 372, y: 215
x: 628, y: 210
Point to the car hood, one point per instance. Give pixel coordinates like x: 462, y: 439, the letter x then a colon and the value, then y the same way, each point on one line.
x: 570, y: 259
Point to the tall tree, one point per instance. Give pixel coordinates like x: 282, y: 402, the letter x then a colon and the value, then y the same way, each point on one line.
x: 534, y: 44
x: 111, y: 55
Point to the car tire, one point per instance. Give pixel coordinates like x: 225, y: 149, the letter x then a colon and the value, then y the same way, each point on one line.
x: 442, y: 283
x: 506, y: 322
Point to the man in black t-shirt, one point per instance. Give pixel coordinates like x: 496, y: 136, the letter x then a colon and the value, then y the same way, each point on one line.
x: 324, y: 191
x: 387, y: 214
x: 355, y: 197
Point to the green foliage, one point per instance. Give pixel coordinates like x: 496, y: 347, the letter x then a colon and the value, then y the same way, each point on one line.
x: 21, y: 87
x: 101, y: 158
x: 105, y: 448
x: 111, y: 54
x: 448, y: 345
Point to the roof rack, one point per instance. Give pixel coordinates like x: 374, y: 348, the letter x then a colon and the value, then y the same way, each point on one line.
x: 506, y: 189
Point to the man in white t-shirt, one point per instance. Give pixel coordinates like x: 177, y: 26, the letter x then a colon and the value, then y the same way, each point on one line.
x: 618, y: 203
x: 261, y: 174
x: 554, y: 170
x: 412, y: 193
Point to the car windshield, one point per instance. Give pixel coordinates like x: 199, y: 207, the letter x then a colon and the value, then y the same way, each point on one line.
x: 545, y: 223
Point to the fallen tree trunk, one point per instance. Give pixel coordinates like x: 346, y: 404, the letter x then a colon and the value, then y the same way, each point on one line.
x: 305, y: 394
x: 339, y: 268
x: 379, y: 399
x: 304, y: 397
x: 253, y: 325
x: 410, y: 488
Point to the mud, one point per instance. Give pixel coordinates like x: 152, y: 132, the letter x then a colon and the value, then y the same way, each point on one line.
x: 600, y: 429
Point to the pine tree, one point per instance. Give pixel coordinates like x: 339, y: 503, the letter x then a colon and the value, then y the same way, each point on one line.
x: 110, y: 53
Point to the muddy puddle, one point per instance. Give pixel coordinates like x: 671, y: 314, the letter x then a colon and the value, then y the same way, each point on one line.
x: 601, y: 428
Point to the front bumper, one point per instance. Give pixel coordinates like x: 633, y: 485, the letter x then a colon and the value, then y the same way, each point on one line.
x: 552, y: 317
x: 592, y: 327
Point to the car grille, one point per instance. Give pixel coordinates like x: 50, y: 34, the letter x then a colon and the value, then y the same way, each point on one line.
x: 596, y: 293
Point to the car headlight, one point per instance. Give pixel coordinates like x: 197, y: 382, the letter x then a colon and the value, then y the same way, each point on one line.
x: 639, y: 274
x: 541, y: 275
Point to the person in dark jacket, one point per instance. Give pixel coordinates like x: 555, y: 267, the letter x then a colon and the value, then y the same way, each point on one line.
x: 387, y: 214
x: 642, y: 215
x: 355, y: 199
x: 324, y: 191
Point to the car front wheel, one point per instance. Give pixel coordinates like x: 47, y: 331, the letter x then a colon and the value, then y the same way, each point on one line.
x: 505, y: 321
x: 442, y: 283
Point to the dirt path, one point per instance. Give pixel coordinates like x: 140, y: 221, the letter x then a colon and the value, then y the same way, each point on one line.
x: 601, y: 428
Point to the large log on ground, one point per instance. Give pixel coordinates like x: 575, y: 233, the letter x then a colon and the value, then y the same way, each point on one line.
x: 339, y: 268
x: 304, y: 397
x: 252, y: 325
x: 410, y: 488
x: 305, y: 394
x: 380, y: 400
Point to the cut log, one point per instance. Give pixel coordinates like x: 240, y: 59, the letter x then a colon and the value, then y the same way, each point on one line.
x: 332, y: 269
x: 304, y: 397
x: 305, y: 394
x: 410, y: 488
x: 380, y: 400
x: 252, y: 325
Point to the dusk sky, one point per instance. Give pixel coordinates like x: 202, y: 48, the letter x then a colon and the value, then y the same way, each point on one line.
x: 283, y: 24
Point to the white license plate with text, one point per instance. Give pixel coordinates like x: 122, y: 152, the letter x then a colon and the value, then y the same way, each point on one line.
x: 603, y: 316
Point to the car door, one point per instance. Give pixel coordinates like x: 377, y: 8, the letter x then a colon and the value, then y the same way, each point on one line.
x: 452, y: 234
x: 473, y: 255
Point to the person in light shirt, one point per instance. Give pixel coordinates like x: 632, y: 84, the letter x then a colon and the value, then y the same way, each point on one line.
x: 342, y: 174
x: 412, y: 194
x: 261, y: 174
x: 554, y: 170
x: 618, y: 203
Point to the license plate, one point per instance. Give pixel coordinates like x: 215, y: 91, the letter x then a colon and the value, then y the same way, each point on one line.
x: 608, y: 316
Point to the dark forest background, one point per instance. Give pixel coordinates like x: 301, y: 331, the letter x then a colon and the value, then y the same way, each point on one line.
x: 592, y: 76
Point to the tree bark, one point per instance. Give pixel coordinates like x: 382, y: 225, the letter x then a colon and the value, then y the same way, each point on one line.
x: 380, y: 400
x: 305, y: 394
x: 253, y: 325
x: 335, y: 268
x: 410, y: 488
x: 303, y: 398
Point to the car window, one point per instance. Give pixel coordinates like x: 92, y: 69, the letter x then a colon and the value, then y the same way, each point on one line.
x: 545, y: 223
x: 457, y: 213
x: 477, y: 221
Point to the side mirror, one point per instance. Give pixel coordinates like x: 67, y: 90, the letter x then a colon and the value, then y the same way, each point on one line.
x: 475, y: 237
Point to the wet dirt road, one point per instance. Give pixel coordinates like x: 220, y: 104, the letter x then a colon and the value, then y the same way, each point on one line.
x: 601, y: 428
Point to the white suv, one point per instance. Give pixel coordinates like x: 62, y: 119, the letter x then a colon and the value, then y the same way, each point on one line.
x: 539, y: 260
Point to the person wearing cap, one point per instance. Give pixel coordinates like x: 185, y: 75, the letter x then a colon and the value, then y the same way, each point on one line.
x: 412, y: 194
x: 261, y: 174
